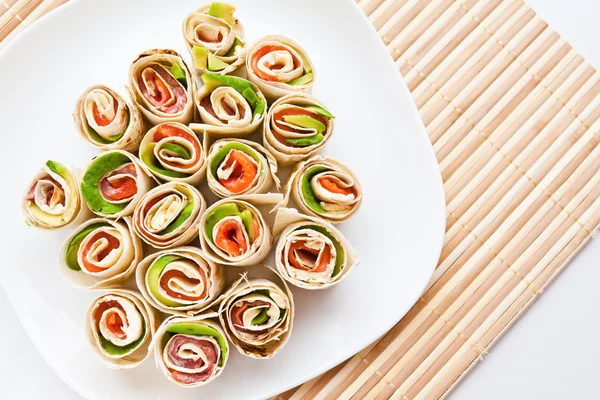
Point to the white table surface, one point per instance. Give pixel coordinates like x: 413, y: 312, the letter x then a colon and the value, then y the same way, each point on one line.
x: 550, y: 353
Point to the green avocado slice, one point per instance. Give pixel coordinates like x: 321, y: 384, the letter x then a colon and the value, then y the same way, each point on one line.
x: 303, y: 80
x: 227, y: 210
x: 215, y: 64
x: 309, y: 141
x: 305, y: 121
x: 153, y: 275
x: 340, y: 255
x: 307, y: 192
x: 222, y: 10
x: 261, y: 318
x: 148, y: 158
x: 320, y: 111
x: 90, y: 192
x: 236, y: 43
x: 181, y: 218
x: 178, y: 74
x: 220, y: 155
x: 115, y: 350
x: 73, y: 247
x: 199, y: 329
x: 58, y: 168
x: 242, y: 86
x: 199, y: 57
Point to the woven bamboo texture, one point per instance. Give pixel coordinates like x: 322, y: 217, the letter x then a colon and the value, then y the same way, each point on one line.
x: 512, y: 112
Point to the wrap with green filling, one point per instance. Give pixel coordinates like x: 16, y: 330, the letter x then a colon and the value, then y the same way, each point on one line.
x: 257, y: 315
x: 119, y: 326
x: 238, y: 166
x: 180, y: 281
x: 191, y: 351
x: 106, y: 120
x: 173, y: 153
x: 162, y: 86
x: 52, y: 198
x: 296, y: 127
x: 278, y: 66
x: 215, y: 39
x: 100, y: 253
x: 168, y: 215
x: 325, y: 188
x: 228, y: 106
x: 114, y: 183
x: 310, y: 252
x: 234, y: 231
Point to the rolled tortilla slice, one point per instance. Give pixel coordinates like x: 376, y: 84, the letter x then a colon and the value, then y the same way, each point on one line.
x: 311, y: 253
x: 168, y: 215
x: 191, y: 351
x: 106, y: 120
x: 119, y: 326
x: 229, y: 106
x: 214, y: 38
x: 278, y: 66
x: 100, y: 253
x: 114, y: 183
x: 173, y: 153
x: 326, y: 188
x: 234, y: 231
x: 238, y: 166
x: 297, y: 126
x: 52, y: 199
x: 257, y: 316
x: 180, y: 281
x: 162, y: 86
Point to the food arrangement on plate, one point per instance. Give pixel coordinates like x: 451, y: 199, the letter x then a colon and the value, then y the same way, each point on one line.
x: 157, y: 249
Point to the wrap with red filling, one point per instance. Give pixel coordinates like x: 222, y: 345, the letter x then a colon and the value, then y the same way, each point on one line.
x: 162, y: 86
x: 310, y: 252
x: 257, y: 315
x: 100, y: 253
x: 172, y: 152
x: 191, y: 351
x: 114, y: 183
x: 234, y: 231
x: 168, y: 215
x: 296, y: 127
x: 238, y: 166
x: 119, y: 326
x: 278, y: 66
x: 106, y: 120
x: 180, y: 281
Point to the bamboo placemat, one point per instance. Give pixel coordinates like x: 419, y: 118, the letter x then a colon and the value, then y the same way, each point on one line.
x: 512, y: 112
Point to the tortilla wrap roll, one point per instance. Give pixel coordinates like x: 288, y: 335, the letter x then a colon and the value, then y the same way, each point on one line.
x: 296, y: 127
x: 234, y: 231
x: 257, y: 315
x: 310, y: 252
x: 238, y: 166
x: 325, y: 188
x: 180, y: 281
x: 100, y: 253
x: 119, y: 326
x: 215, y: 39
x: 53, y: 199
x: 173, y: 153
x: 106, y: 120
x: 191, y: 351
x: 168, y: 215
x: 228, y: 106
x: 114, y: 183
x: 278, y: 66
x: 162, y: 86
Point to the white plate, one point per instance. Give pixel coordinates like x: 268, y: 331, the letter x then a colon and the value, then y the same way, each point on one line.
x: 397, y: 234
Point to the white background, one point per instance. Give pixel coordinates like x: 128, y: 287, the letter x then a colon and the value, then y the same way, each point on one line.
x: 551, y: 353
